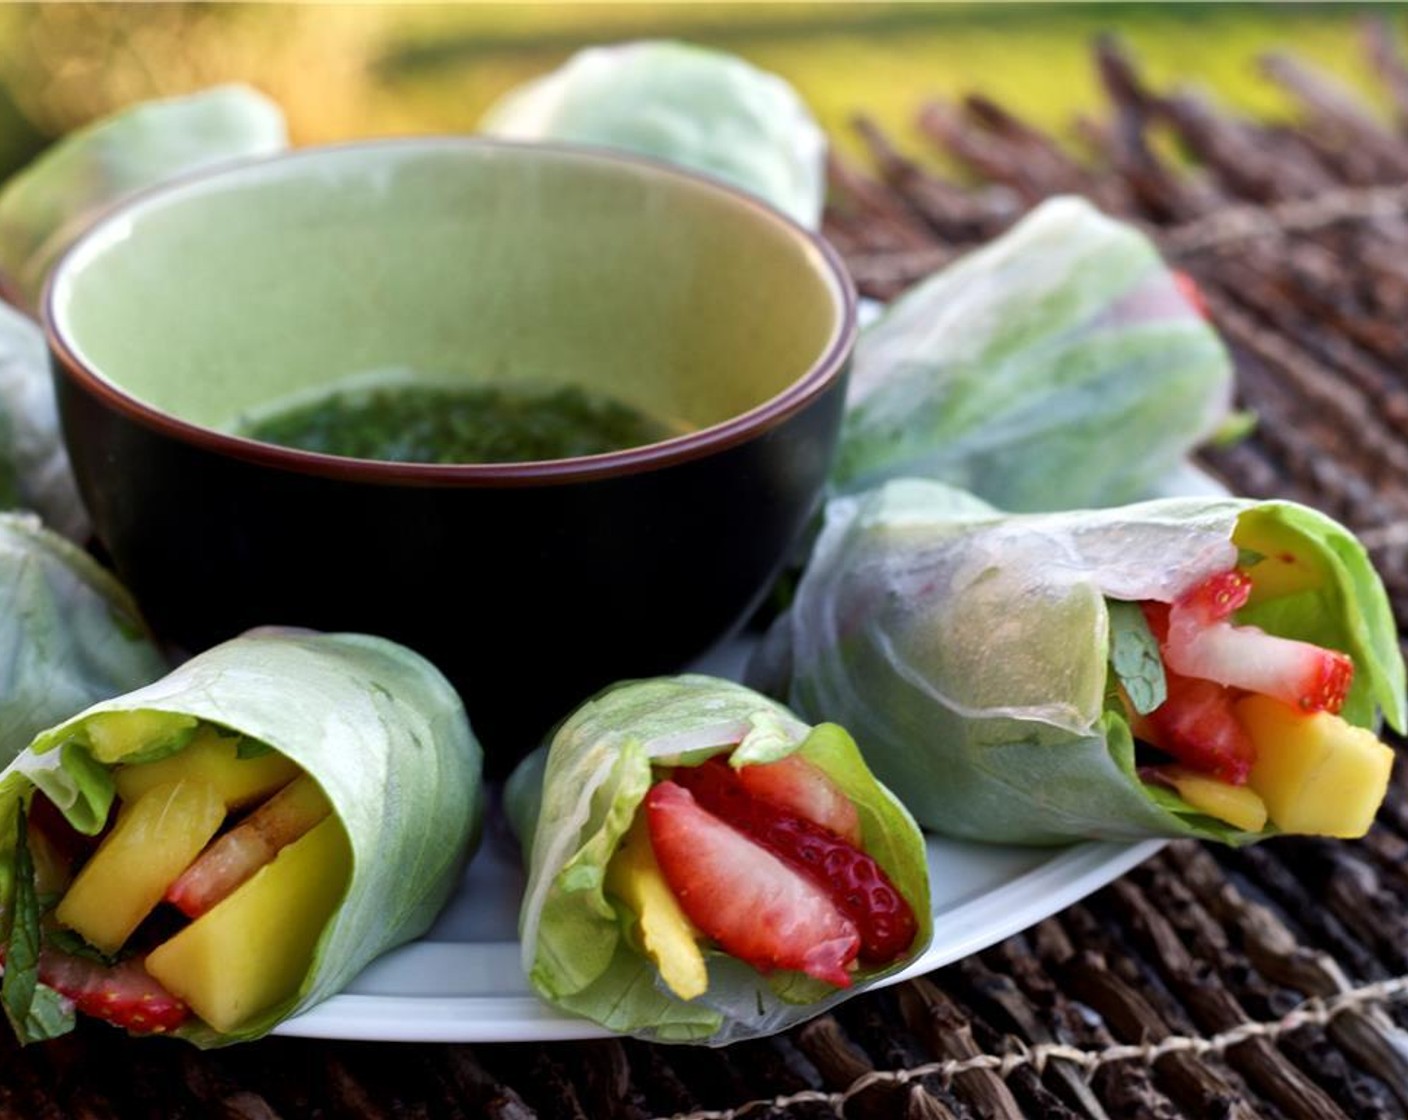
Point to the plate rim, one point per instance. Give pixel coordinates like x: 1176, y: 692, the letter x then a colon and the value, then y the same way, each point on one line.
x: 991, y: 916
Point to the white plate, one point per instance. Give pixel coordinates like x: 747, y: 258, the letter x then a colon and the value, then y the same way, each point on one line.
x: 464, y: 982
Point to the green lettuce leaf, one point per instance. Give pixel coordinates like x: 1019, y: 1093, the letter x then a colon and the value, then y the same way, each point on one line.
x: 1058, y: 367
x: 970, y: 650
x: 45, y: 207
x: 701, y: 109
x: 378, y: 727
x: 70, y: 634
x: 578, y: 947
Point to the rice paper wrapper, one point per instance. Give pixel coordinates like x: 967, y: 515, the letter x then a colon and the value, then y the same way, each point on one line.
x: 70, y: 634
x: 969, y: 650
x: 34, y: 467
x: 375, y: 724
x: 45, y: 207
x: 701, y: 109
x: 1058, y: 367
x: 576, y: 950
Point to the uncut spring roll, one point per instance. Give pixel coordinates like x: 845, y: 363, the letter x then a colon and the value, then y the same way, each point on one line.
x: 70, y: 634
x: 34, y: 469
x: 1208, y: 667
x: 45, y: 207
x: 704, y: 867
x: 210, y: 854
x: 999, y: 373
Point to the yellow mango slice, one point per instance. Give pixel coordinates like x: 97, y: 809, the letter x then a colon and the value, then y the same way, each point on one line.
x: 1235, y: 805
x: 212, y: 758
x: 1286, y: 567
x: 668, y: 937
x: 153, y: 840
x: 251, y: 952
x: 1317, y: 774
x: 112, y: 736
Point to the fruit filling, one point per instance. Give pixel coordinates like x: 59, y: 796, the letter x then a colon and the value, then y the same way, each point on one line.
x: 764, y: 862
x: 1251, y: 718
x: 204, y: 895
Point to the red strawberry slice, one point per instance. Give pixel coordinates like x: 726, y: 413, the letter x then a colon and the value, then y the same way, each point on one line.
x: 797, y: 786
x: 122, y: 994
x: 1197, y: 726
x: 755, y: 906
x: 1188, y: 288
x: 1216, y: 598
x: 1202, y: 643
x: 854, y: 881
x: 246, y: 848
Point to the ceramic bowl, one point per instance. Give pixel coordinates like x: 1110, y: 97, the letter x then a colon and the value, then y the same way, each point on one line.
x: 531, y: 584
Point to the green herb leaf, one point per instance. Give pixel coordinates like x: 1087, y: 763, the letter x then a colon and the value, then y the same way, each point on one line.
x: 71, y: 943
x: 1235, y: 428
x: 35, y: 1012
x: 1249, y: 558
x: 1134, y: 656
x: 251, y: 748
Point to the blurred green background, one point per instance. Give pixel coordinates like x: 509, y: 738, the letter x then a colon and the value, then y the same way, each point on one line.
x: 344, y: 71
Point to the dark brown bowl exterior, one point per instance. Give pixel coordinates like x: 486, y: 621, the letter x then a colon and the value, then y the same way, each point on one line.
x: 558, y: 587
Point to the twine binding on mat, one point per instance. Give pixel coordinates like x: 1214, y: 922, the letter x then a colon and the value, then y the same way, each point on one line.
x: 1316, y: 1011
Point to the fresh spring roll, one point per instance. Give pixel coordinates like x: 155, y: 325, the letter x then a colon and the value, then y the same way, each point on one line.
x: 1207, y: 667
x: 704, y: 867
x: 1001, y: 372
x: 34, y: 468
x: 46, y: 206
x: 213, y: 853
x: 70, y: 634
x: 702, y: 109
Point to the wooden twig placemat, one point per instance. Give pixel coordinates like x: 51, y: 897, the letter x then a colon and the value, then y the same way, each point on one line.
x: 1268, y: 982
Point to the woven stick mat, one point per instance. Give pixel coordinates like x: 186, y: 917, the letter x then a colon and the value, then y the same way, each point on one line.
x: 1208, y: 983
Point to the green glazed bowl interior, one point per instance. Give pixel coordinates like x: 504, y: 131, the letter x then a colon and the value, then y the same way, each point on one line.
x: 457, y: 260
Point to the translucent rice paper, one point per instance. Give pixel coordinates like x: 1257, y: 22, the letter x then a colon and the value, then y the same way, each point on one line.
x: 576, y: 948
x: 70, y: 634
x: 45, y: 207
x: 376, y: 725
x: 34, y: 467
x: 968, y: 650
x: 698, y: 108
x: 1060, y: 366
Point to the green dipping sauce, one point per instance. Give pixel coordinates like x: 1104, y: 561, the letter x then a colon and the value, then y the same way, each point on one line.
x: 410, y: 423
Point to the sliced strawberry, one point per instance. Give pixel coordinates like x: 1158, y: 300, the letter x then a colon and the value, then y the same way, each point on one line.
x: 46, y: 818
x: 799, y: 787
x: 242, y: 851
x: 122, y: 994
x: 1197, y: 726
x: 755, y: 906
x: 1202, y: 643
x: 854, y: 881
x: 1189, y: 290
x: 1215, y: 599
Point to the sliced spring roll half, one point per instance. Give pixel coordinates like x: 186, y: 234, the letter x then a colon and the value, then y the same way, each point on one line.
x: 212, y: 853
x: 1208, y: 667
x: 704, y: 867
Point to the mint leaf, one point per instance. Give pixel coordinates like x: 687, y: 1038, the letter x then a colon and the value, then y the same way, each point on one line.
x: 1134, y: 656
x: 35, y: 1011
x: 1249, y: 558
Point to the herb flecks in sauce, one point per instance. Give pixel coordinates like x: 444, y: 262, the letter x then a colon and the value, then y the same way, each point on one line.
x: 436, y: 424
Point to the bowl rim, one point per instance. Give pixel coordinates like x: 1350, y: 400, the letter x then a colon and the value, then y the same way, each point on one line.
x: 820, y: 376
